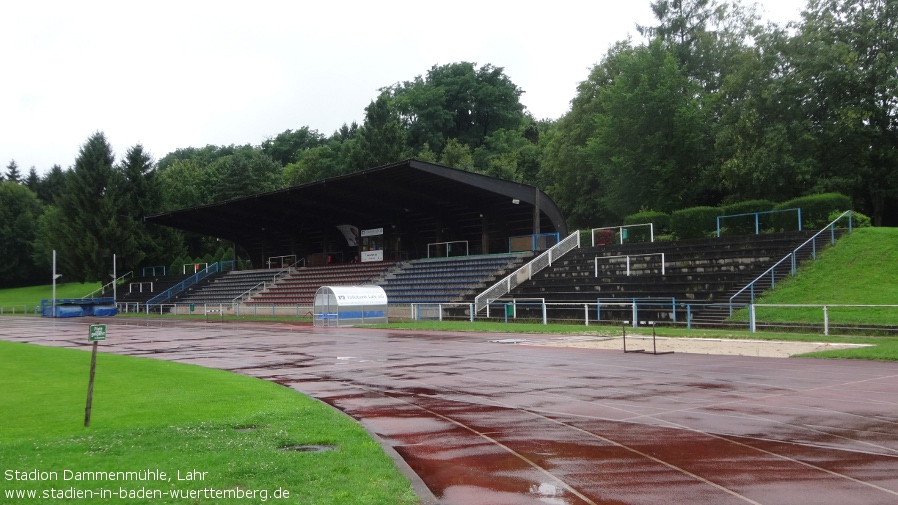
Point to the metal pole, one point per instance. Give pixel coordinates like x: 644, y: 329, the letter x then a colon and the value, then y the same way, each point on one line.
x: 825, y: 321
x: 54, y: 284
x: 635, y: 315
x: 751, y: 320
x: 114, y: 281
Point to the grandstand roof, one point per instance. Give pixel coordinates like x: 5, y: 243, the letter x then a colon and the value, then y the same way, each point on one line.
x: 416, y: 201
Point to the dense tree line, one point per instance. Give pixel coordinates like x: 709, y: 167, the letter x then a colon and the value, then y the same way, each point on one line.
x: 711, y: 107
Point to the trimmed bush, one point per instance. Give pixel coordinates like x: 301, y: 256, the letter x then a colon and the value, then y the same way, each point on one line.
x: 695, y: 222
x: 815, y: 211
x: 745, y: 224
x: 659, y: 220
x: 858, y: 220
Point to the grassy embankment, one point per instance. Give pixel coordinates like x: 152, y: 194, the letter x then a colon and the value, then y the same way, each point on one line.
x: 17, y: 300
x: 170, y: 417
x: 859, y: 270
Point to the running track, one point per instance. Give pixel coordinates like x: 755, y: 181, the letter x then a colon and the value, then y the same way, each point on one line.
x: 481, y: 422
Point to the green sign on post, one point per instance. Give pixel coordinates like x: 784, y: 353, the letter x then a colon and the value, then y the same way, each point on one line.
x: 97, y: 333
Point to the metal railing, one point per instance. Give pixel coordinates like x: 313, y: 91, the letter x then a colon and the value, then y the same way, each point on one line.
x: 448, y: 248
x: 792, y: 259
x: 102, y: 289
x: 181, y: 286
x: 757, y: 218
x: 527, y: 271
x: 628, y: 256
x: 249, y: 293
x: 620, y: 231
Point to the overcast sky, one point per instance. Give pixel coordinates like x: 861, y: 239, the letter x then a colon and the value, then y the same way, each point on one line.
x: 189, y: 73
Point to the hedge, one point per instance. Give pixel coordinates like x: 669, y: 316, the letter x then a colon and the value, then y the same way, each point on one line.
x: 745, y: 224
x: 659, y: 220
x: 815, y: 211
x: 695, y: 222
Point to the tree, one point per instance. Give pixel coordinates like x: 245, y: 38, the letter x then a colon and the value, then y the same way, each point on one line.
x: 288, y: 146
x: 52, y: 184
x: 652, y: 135
x: 457, y: 101
x: 19, y: 213
x: 565, y: 170
x: 764, y: 140
x: 246, y: 172
x: 457, y: 155
x: 138, y: 189
x: 844, y: 57
x: 33, y: 181
x: 91, y: 223
x: 12, y: 172
x: 510, y: 155
x: 381, y: 139
x: 185, y: 183
x: 319, y: 163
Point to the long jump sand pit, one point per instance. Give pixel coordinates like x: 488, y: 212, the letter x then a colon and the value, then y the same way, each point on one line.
x: 718, y: 346
x: 485, y: 422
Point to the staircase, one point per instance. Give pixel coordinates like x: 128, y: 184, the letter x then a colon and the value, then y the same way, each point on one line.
x: 702, y: 273
x: 446, y: 280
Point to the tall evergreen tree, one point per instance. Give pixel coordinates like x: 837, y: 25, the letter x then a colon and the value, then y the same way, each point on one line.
x: 33, y: 181
x: 52, y: 184
x: 12, y: 172
x: 19, y: 213
x: 91, y: 219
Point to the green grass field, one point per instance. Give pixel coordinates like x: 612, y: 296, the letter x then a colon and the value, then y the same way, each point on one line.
x: 175, y: 418
x: 13, y: 300
x: 861, y: 269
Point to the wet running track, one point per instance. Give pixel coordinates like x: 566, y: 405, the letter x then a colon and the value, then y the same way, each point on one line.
x: 482, y: 422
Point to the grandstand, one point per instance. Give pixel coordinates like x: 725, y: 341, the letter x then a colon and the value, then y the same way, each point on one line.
x: 446, y: 280
x: 382, y: 225
x: 299, y: 287
x: 662, y: 277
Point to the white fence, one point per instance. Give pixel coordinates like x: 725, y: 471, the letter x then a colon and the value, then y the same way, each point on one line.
x: 526, y: 272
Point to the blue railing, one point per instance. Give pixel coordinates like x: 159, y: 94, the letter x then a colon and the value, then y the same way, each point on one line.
x: 181, y: 286
x: 792, y: 258
x: 757, y: 218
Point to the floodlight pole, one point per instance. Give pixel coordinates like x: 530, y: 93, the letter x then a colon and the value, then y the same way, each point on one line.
x: 114, y: 278
x: 55, y: 276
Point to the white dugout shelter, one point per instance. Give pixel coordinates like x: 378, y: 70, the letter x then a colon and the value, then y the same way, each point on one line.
x: 350, y: 305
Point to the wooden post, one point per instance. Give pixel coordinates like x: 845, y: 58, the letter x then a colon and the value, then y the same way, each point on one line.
x: 90, y: 385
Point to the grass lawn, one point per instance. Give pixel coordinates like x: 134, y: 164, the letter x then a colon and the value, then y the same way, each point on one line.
x: 159, y: 416
x: 859, y: 270
x: 32, y: 295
